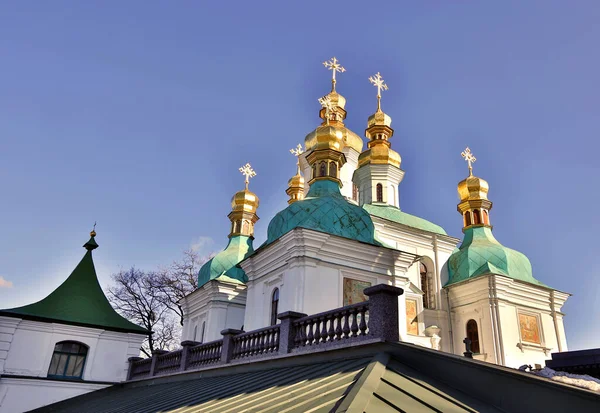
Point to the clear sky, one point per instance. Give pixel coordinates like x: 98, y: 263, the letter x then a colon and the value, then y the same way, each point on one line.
x: 138, y: 114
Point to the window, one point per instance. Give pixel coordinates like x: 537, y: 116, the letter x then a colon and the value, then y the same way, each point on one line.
x: 195, y: 332
x: 486, y: 217
x: 332, y: 169
x: 425, y: 286
x: 473, y: 335
x: 314, y: 170
x: 467, y: 219
x: 274, y: 305
x: 202, y: 332
x: 323, y: 169
x: 68, y: 360
x: 379, y: 193
x: 354, y: 193
x: 476, y: 217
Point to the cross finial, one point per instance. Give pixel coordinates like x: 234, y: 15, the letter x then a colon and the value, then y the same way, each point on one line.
x: 470, y: 158
x: 333, y: 65
x: 248, y: 172
x: 93, y: 232
x: 326, y: 103
x: 379, y: 83
x: 297, y: 151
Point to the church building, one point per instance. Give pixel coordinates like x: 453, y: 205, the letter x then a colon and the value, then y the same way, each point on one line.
x: 344, y: 231
x: 70, y: 343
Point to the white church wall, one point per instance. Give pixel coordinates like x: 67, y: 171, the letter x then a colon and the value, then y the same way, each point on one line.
x: 28, y: 347
x: 212, y: 308
x: 347, y: 171
x: 20, y: 395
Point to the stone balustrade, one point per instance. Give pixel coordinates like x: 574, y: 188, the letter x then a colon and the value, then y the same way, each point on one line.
x: 375, y: 319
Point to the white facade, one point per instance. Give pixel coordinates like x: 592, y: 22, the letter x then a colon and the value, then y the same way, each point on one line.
x: 368, y: 176
x: 26, y: 349
x: 212, y: 308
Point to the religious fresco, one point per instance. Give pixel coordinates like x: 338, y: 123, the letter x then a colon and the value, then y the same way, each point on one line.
x: 412, y: 324
x: 530, y: 331
x: 353, y: 291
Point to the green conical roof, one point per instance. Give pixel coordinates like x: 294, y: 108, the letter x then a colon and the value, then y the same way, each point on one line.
x: 225, y: 263
x: 480, y: 254
x: 392, y: 213
x: 325, y: 210
x: 78, y: 301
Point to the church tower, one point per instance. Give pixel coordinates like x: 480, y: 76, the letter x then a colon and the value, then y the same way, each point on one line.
x: 296, y: 183
x: 379, y: 174
x: 508, y: 317
x: 331, y: 137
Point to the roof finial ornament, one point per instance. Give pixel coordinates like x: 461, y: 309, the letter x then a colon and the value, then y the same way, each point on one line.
x: 297, y: 151
x: 334, y: 65
x: 379, y: 83
x: 93, y: 233
x: 326, y: 103
x: 470, y: 158
x: 248, y: 172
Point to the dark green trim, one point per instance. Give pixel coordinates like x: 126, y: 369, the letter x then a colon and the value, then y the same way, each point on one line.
x: 21, y: 377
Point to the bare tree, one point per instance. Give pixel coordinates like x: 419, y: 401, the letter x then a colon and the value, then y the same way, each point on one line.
x: 179, y: 280
x: 151, y: 299
x: 134, y: 296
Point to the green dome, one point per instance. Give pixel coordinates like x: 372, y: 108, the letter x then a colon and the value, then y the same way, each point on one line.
x: 225, y: 262
x: 324, y: 209
x: 480, y: 253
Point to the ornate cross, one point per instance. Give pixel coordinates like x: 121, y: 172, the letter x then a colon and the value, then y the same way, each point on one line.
x: 297, y: 151
x: 379, y: 83
x: 248, y: 172
x: 333, y: 65
x: 470, y: 158
x: 325, y: 102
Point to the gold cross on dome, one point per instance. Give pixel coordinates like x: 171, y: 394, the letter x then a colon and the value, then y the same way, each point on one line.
x: 379, y: 83
x: 248, y: 172
x: 297, y: 151
x: 334, y: 65
x: 470, y: 158
x: 326, y: 103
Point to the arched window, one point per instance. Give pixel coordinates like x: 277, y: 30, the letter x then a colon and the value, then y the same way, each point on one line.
x: 332, y: 169
x: 486, y: 217
x: 314, y: 170
x: 379, y: 193
x: 323, y: 169
x: 354, y: 192
x: 68, y: 360
x: 467, y: 219
x: 476, y: 217
x: 202, y: 332
x: 195, y: 332
x: 245, y: 226
x: 425, y: 286
x: 274, y: 305
x: 473, y: 335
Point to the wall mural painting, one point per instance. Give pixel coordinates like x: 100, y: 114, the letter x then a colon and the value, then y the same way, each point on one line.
x: 530, y: 330
x: 353, y: 291
x: 412, y: 324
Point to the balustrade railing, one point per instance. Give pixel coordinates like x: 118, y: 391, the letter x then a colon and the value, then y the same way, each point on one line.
x: 204, y: 354
x: 375, y: 319
x: 341, y: 324
x: 256, y: 343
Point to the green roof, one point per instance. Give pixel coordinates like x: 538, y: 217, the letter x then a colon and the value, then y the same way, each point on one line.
x: 391, y: 213
x: 225, y: 263
x: 78, y: 301
x: 325, y: 210
x: 480, y: 254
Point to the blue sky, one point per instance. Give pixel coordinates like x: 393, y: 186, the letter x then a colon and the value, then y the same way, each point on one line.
x: 137, y: 115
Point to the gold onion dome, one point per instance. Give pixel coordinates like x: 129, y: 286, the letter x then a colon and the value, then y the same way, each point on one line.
x: 295, y: 188
x: 378, y: 132
x: 473, y: 188
x: 244, y: 201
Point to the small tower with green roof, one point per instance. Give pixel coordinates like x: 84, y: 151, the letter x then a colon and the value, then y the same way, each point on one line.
x: 69, y: 343
x: 509, y: 317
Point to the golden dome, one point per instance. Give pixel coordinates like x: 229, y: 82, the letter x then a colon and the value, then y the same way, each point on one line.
x: 340, y: 134
x: 245, y: 201
x: 381, y: 153
x: 473, y: 188
x: 337, y: 100
x: 379, y: 118
x: 296, y: 181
